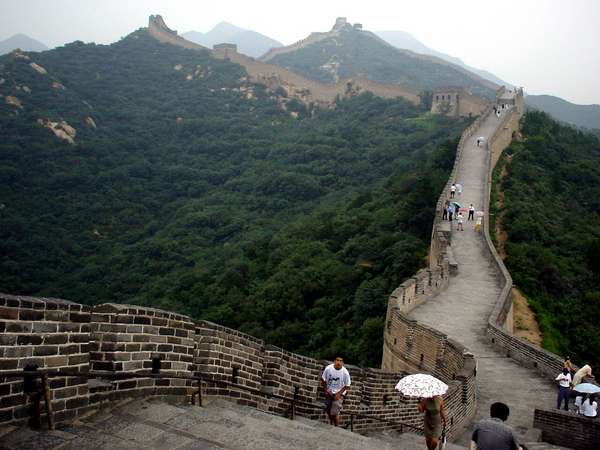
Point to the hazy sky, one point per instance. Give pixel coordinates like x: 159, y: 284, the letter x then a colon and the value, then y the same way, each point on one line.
x: 547, y: 46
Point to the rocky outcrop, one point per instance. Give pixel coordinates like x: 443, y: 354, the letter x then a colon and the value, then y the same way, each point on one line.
x: 39, y: 69
x: 14, y: 101
x: 61, y: 130
x: 90, y: 122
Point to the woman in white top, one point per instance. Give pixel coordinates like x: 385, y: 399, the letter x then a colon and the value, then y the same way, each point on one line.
x: 589, y: 407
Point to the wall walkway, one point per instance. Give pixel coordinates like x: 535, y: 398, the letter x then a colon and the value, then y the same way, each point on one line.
x: 462, y: 311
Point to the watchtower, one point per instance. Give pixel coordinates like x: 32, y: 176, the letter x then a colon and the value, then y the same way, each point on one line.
x: 224, y: 50
x: 446, y: 101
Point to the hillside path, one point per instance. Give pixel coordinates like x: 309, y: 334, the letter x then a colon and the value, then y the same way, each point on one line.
x: 462, y: 310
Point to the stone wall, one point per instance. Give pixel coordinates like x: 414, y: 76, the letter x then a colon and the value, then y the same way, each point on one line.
x: 411, y: 346
x: 272, y: 76
x: 109, y: 339
x: 53, y: 334
x: 498, y: 332
x: 567, y: 429
x: 126, y: 338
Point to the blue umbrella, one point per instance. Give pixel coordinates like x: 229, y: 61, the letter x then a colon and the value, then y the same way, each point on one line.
x: 587, y: 388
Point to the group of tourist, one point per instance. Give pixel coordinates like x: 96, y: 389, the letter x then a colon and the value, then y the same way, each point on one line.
x: 488, y: 434
x: 568, y: 380
x: 451, y: 212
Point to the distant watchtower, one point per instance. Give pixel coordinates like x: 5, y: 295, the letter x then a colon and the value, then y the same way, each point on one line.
x: 224, y: 50
x: 157, y: 22
x: 340, y: 24
x: 446, y: 101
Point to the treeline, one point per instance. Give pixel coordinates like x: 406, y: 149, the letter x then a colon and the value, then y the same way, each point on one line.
x: 192, y: 195
x: 551, y: 214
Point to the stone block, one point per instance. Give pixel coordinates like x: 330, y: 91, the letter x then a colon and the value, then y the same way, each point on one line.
x: 44, y: 327
x: 9, y: 313
x: 31, y: 314
x: 56, y: 361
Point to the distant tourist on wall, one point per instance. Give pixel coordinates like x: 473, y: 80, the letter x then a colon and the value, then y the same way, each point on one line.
x: 471, y: 212
x: 477, y: 226
x: 435, y: 414
x: 335, y: 382
x: 589, y: 407
x: 452, y: 190
x: 585, y: 371
x: 460, y: 219
x: 493, y: 433
x: 564, y: 388
x: 450, y: 212
x: 445, y: 210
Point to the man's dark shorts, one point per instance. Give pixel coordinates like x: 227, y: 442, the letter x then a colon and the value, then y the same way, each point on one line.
x: 333, y: 407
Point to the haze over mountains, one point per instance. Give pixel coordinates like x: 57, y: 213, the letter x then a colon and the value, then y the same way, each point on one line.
x: 405, y: 40
x: 347, y: 51
x: 249, y: 42
x: 23, y: 42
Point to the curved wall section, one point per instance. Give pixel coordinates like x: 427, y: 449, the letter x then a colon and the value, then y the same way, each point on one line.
x: 113, y: 342
x: 498, y: 330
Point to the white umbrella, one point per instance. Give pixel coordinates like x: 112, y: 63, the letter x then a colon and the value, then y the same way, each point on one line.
x: 421, y: 385
x: 587, y: 388
x: 479, y: 213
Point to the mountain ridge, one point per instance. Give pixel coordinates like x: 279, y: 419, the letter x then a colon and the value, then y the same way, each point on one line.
x: 587, y: 116
x: 405, y: 40
x: 23, y: 42
x: 348, y: 51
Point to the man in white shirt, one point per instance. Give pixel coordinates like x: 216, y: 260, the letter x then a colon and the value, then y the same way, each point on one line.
x: 335, y: 382
x: 564, y: 385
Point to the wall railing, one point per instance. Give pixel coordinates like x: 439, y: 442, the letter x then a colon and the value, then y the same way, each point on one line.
x: 30, y: 375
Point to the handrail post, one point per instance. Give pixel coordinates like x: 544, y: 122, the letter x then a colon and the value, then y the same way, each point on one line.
x: 48, y: 401
x: 294, y: 399
x: 351, y: 422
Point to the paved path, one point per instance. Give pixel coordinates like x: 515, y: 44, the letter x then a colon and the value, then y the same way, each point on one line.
x: 462, y: 310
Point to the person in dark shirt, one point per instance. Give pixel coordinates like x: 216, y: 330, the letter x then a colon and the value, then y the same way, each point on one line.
x: 493, y: 433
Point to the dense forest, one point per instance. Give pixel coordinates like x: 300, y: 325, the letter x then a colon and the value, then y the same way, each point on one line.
x: 191, y: 189
x: 355, y: 53
x: 551, y: 214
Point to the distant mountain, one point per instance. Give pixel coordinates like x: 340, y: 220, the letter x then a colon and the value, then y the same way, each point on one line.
x: 587, y: 116
x: 249, y: 42
x: 23, y: 42
x: 348, y: 51
x: 402, y: 39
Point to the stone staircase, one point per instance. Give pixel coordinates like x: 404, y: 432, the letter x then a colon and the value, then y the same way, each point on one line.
x: 159, y: 424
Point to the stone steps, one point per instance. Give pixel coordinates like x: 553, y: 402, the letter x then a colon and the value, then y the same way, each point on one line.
x: 158, y: 424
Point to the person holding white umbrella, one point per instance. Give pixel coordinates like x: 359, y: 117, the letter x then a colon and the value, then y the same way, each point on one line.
x: 429, y: 390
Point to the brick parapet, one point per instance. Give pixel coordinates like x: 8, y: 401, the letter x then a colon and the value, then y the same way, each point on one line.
x: 567, y: 429
x: 126, y: 338
x: 52, y: 334
x: 544, y: 362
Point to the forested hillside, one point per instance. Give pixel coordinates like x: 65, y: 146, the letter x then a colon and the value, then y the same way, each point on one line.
x: 551, y: 214
x: 188, y: 188
x: 356, y: 53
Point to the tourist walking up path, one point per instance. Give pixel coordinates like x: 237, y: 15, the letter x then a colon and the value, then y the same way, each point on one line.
x: 462, y: 310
